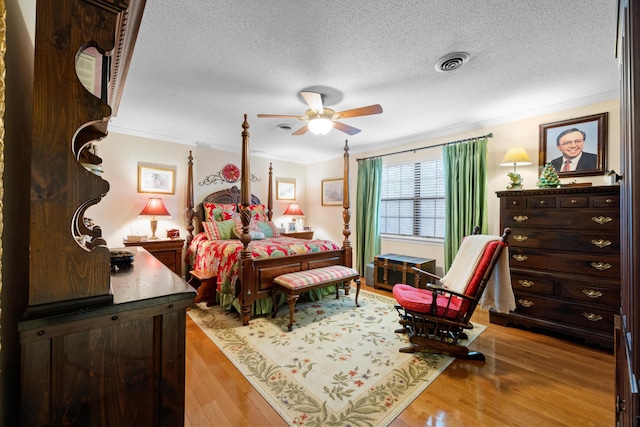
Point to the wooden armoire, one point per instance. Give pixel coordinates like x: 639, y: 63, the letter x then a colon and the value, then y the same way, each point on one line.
x: 627, y: 344
x: 100, y: 346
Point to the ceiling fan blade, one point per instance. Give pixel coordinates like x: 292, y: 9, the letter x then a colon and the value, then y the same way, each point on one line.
x: 362, y: 111
x: 346, y: 128
x: 301, y: 131
x: 314, y: 100
x: 281, y: 116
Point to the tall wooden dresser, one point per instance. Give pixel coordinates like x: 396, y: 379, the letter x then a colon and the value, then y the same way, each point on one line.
x: 564, y: 259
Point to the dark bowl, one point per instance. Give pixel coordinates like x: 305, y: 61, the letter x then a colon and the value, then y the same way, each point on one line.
x: 121, y: 257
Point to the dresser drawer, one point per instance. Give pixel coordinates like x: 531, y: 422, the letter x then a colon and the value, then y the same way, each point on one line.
x: 590, y: 293
x: 531, y: 282
x: 606, y: 201
x: 586, y: 316
x: 584, y: 219
x: 574, y: 201
x: 596, y: 242
x: 515, y: 202
x: 592, y: 265
x: 543, y: 202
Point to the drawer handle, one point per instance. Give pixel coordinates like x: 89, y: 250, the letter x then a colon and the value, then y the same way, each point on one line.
x: 591, y: 293
x: 526, y: 303
x: 520, y: 238
x: 514, y: 203
x: 574, y: 201
x: 608, y: 201
x: 526, y: 283
x: 520, y: 258
x: 542, y: 202
x: 601, y: 266
x: 601, y: 219
x: 592, y: 317
x: 601, y: 243
x: 520, y: 218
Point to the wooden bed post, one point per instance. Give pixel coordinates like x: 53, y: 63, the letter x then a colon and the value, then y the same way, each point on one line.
x: 270, y: 194
x: 190, y: 202
x: 346, y: 213
x: 246, y: 261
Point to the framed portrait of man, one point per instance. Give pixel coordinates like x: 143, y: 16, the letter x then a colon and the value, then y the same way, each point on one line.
x: 575, y: 147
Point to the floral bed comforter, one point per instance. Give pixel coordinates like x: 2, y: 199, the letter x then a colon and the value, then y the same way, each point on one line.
x: 221, y: 257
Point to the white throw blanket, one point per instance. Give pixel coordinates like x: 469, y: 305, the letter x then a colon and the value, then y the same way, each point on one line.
x: 498, y: 294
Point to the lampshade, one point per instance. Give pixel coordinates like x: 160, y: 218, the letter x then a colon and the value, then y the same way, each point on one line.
x: 320, y: 125
x: 154, y: 207
x: 293, y: 209
x: 516, y: 157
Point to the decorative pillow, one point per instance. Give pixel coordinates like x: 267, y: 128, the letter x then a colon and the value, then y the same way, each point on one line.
x: 219, y: 230
x: 237, y: 227
x: 256, y: 235
x: 218, y: 211
x: 268, y: 228
x: 258, y: 212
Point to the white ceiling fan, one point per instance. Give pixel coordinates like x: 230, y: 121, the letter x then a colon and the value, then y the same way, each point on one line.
x: 320, y: 119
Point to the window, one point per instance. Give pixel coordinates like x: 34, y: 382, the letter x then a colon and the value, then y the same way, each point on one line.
x: 412, y: 200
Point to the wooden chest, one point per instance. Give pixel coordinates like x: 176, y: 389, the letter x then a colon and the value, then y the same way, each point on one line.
x: 391, y: 269
x: 564, y: 259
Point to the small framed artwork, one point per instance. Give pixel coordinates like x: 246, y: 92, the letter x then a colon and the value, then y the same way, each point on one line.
x: 285, y: 190
x: 332, y: 191
x: 575, y: 147
x: 153, y: 179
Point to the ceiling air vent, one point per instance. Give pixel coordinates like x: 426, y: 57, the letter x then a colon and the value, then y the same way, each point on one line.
x: 285, y: 127
x: 452, y: 61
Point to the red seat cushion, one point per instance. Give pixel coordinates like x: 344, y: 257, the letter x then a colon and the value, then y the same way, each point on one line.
x: 419, y: 300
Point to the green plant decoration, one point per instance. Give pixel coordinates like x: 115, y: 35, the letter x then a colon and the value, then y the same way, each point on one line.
x: 549, y: 177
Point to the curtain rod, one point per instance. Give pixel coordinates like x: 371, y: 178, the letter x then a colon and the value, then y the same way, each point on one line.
x: 489, y: 135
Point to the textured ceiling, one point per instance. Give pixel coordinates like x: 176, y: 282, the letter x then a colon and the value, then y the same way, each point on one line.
x: 199, y: 65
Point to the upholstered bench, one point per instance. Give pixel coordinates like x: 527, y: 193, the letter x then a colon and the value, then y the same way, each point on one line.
x: 293, y: 284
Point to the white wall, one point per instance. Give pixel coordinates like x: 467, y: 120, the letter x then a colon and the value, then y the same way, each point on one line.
x: 117, y: 213
x: 523, y: 133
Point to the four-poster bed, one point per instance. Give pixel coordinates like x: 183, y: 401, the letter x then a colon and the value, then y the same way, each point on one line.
x: 245, y: 268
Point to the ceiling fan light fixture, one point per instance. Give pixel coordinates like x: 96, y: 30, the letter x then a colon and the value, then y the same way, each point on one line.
x: 320, y: 125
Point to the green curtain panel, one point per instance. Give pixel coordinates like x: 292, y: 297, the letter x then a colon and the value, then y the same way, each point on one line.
x: 367, y: 216
x: 465, y: 172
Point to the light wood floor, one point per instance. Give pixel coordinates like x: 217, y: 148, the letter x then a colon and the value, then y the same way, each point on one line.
x: 528, y: 379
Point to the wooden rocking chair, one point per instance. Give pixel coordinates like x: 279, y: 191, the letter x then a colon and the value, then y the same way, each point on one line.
x: 438, y: 328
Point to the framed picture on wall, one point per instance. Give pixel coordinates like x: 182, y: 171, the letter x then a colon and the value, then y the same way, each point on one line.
x: 332, y: 191
x: 285, y: 190
x: 575, y: 147
x: 159, y: 180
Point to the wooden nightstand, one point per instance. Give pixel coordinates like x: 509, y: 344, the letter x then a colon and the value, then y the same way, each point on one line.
x: 168, y: 252
x: 299, y: 234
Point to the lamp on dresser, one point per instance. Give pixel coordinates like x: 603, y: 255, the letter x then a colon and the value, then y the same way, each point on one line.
x: 516, y: 156
x: 294, y: 211
x: 154, y: 208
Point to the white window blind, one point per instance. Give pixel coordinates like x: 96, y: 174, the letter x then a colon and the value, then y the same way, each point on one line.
x: 412, y: 200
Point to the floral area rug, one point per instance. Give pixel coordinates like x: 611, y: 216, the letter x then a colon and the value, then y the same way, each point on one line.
x: 339, y: 366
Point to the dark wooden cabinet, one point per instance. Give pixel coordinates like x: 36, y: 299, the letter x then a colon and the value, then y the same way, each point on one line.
x: 564, y: 257
x: 627, y: 349
x: 168, y: 251
x: 99, y: 347
x: 117, y: 365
